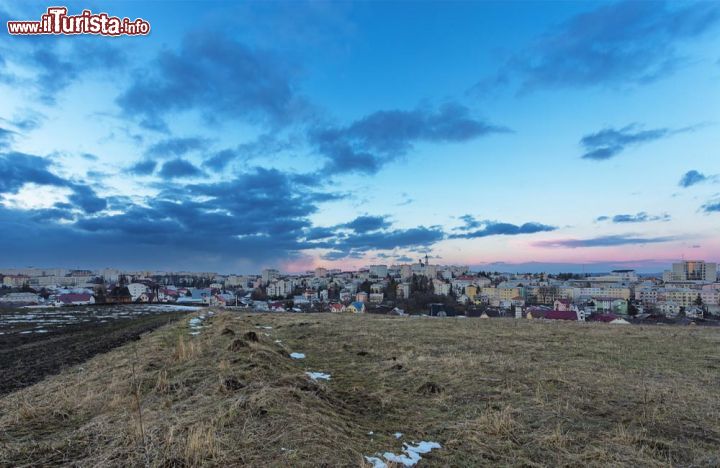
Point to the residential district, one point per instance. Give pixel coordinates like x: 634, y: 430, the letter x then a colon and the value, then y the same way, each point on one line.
x: 687, y: 293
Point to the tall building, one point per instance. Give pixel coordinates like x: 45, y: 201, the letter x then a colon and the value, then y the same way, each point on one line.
x: 694, y: 270
x: 269, y: 274
x: 378, y: 271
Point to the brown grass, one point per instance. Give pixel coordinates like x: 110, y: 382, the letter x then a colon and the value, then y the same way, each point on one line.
x: 492, y: 392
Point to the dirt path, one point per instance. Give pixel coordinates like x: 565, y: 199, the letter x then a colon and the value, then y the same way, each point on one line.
x: 27, y: 359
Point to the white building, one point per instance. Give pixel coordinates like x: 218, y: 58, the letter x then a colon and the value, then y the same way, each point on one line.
x: 136, y: 289
x: 269, y: 274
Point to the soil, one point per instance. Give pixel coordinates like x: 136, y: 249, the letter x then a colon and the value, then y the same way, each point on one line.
x: 28, y: 358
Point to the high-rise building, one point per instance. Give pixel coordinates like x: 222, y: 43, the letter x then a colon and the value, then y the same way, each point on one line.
x: 694, y: 270
x: 378, y: 271
x: 269, y: 274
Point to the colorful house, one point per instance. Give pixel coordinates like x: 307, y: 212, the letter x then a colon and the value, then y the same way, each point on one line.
x: 356, y: 307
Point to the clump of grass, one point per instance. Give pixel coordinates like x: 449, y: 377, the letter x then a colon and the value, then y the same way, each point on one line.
x: 200, y: 444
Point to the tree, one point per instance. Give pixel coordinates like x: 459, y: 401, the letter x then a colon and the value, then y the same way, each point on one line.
x: 698, y: 300
x: 364, y: 286
x: 391, y: 290
x: 632, y: 310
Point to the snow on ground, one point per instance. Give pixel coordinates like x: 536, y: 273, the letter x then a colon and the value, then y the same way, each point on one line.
x: 196, y: 324
x: 318, y: 375
x: 297, y: 355
x: 410, y: 455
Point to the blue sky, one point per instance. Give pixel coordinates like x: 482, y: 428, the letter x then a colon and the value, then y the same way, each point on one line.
x: 524, y: 135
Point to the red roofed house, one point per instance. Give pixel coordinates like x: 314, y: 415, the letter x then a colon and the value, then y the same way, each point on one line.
x: 553, y: 314
x: 76, y: 299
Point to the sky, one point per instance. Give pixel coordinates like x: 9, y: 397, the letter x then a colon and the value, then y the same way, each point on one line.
x: 513, y: 136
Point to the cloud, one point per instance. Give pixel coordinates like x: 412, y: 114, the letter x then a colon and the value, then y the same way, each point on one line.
x: 641, y: 217
x: 28, y: 120
x: 175, y: 147
x: 369, y: 143
x: 602, y: 241
x: 694, y: 177
x: 86, y: 198
x: 6, y: 137
x: 265, y: 145
x: 220, y: 77
x: 17, y: 169
x: 146, y: 167
x: 711, y: 207
x: 615, y: 45
x: 363, y: 224
x: 474, y: 228
x: 354, y: 245
x: 610, y: 142
x: 221, y: 159
x: 53, y: 65
x: 259, y: 216
x: 178, y: 168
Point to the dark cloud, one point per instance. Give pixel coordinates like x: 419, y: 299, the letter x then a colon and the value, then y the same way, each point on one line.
x: 18, y: 169
x: 616, y: 44
x: 260, y: 215
x: 363, y: 224
x: 381, y: 137
x: 178, y: 168
x: 694, y: 177
x: 89, y: 157
x: 217, y: 75
x: 603, y: 241
x: 354, y: 245
x: 474, y: 228
x: 339, y: 255
x: 319, y: 233
x: 221, y: 159
x: 86, y: 198
x: 175, y: 147
x: 610, y: 142
x: 641, y: 217
x: 711, y: 207
x: 146, y: 167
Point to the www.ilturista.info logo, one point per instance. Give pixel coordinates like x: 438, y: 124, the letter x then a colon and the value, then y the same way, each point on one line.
x: 57, y: 21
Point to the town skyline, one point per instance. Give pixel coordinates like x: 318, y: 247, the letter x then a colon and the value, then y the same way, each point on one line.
x: 576, y: 137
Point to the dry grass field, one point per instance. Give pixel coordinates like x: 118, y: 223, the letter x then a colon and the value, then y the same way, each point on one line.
x: 496, y: 392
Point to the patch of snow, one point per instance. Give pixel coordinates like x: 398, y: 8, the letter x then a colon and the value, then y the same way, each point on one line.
x: 265, y: 328
x: 278, y: 341
x: 318, y: 375
x: 297, y: 355
x: 398, y: 435
x: 410, y: 455
x: 376, y: 462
